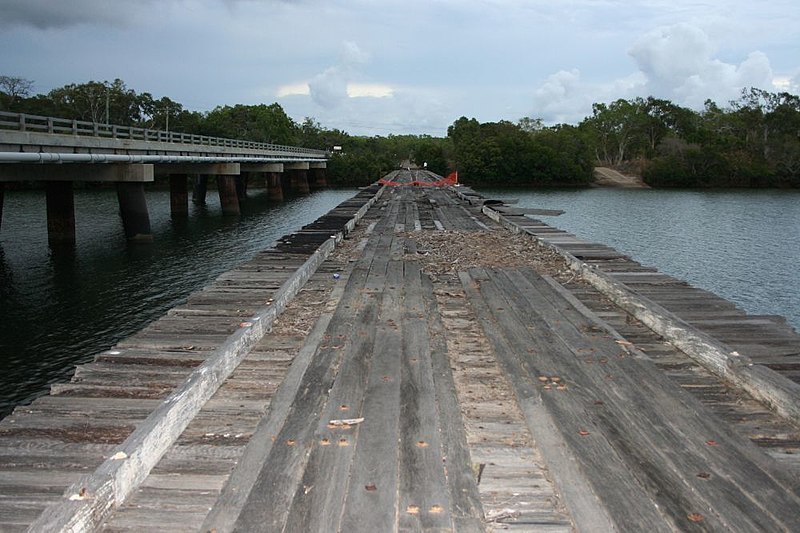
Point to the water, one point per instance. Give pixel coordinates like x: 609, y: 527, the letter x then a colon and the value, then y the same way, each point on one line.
x: 742, y: 245
x: 58, y: 309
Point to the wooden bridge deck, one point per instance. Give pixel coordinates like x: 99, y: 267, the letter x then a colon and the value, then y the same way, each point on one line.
x: 398, y: 393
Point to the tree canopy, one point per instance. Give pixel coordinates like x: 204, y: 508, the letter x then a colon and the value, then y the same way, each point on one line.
x: 754, y: 142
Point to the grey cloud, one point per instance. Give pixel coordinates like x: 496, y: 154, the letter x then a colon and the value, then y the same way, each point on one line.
x: 46, y: 14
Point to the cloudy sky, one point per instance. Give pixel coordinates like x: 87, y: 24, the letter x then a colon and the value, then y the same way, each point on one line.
x: 378, y: 67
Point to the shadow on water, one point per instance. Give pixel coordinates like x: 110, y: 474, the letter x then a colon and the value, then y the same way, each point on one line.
x: 60, y: 307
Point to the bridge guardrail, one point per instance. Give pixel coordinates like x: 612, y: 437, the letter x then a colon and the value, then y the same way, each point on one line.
x: 22, y: 122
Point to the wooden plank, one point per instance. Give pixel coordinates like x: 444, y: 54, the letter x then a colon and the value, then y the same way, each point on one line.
x: 320, y: 496
x: 239, y: 484
x: 114, y: 480
x: 371, y: 503
x: 466, y: 508
x: 424, y: 498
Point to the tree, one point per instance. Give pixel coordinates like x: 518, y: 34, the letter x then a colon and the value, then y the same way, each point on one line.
x: 261, y: 123
x: 615, y: 127
x: 12, y: 90
x: 431, y: 152
x: 530, y: 125
x: 100, y: 102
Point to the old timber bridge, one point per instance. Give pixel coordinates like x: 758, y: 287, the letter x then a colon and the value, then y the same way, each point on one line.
x: 420, y: 359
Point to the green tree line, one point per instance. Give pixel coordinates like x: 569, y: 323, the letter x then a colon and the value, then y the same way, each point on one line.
x: 753, y: 142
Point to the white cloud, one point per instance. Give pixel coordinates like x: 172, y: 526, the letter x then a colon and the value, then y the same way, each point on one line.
x: 329, y: 88
x: 369, y: 90
x: 676, y: 62
x: 292, y: 89
x: 565, y: 98
x: 679, y: 64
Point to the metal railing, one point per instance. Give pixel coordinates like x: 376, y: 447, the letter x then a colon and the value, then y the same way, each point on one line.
x: 33, y: 123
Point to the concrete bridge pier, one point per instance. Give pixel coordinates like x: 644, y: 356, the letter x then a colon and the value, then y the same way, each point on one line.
x: 133, y: 209
x: 298, y: 177
x: 179, y: 195
x: 318, y: 178
x: 274, y: 187
x: 241, y: 187
x: 226, y: 174
x: 60, y: 213
x: 58, y: 178
x: 272, y: 176
x: 228, y: 199
x: 199, y: 189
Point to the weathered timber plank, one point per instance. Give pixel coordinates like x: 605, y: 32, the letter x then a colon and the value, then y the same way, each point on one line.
x: 318, y: 501
x: 466, y: 508
x: 114, y: 480
x: 228, y: 505
x: 422, y: 484
x: 371, y: 503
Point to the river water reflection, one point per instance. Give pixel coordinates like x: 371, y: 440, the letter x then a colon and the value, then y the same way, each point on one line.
x: 58, y: 309
x: 742, y: 245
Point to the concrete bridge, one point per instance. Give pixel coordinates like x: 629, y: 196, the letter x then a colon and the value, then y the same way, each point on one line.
x: 59, y: 152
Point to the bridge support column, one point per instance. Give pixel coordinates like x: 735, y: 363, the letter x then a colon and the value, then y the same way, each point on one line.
x: 241, y: 188
x: 318, y: 178
x: 274, y: 188
x: 178, y: 195
x: 199, y: 190
x: 60, y: 213
x: 297, y: 176
x: 299, y: 181
x: 133, y: 209
x: 226, y: 186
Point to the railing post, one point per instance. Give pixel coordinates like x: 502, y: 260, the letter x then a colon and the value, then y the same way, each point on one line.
x: 21, y: 122
x: 96, y: 129
x: 114, y: 131
x: 49, y: 124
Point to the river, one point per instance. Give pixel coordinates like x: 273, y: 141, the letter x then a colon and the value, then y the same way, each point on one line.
x: 57, y: 310
x: 743, y: 245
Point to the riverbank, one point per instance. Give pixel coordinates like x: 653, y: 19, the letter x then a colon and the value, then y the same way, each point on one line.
x: 608, y: 177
